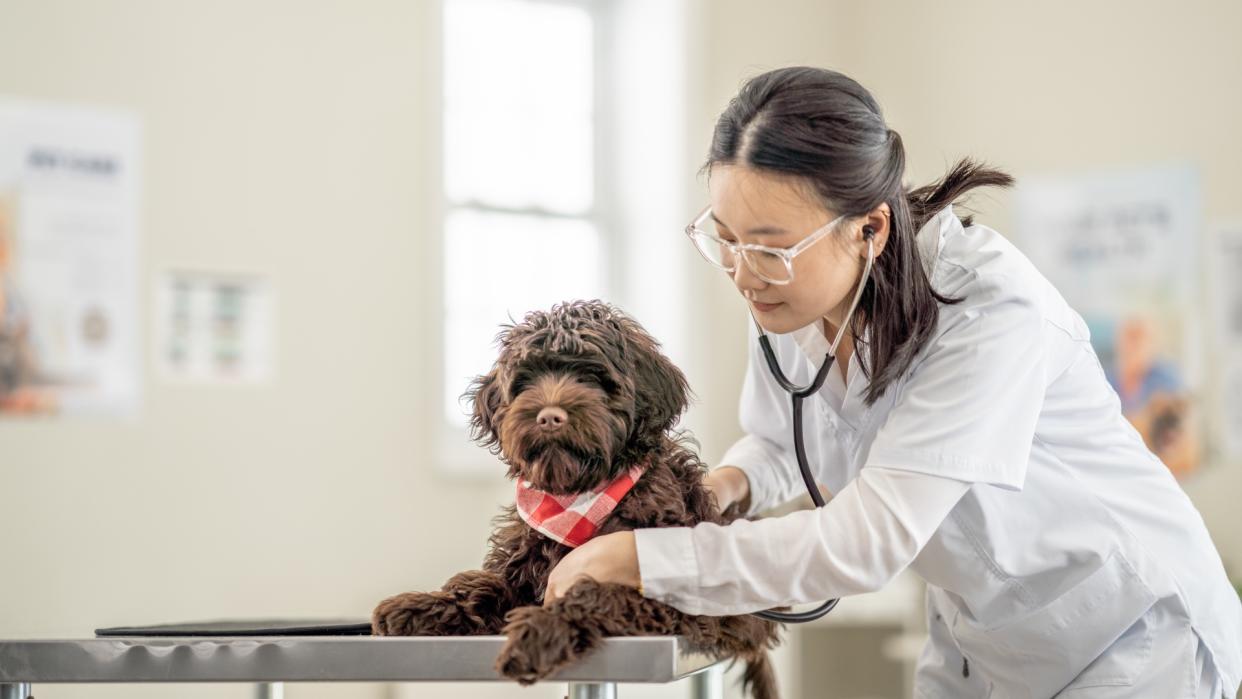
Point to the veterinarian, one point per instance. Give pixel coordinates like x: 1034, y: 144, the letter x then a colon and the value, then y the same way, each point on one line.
x: 966, y: 429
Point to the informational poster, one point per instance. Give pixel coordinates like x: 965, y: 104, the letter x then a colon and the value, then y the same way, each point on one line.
x: 1225, y: 293
x: 214, y: 328
x: 1122, y: 248
x: 69, y: 198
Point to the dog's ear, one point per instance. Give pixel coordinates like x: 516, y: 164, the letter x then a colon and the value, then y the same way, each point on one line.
x: 662, y: 392
x: 486, y: 396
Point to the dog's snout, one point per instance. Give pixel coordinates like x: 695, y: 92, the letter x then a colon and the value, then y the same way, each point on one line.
x: 552, y: 417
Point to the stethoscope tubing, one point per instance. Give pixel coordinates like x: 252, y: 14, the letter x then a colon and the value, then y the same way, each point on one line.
x: 797, y: 395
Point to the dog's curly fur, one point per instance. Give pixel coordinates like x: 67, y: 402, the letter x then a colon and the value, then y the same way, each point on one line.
x: 620, y: 398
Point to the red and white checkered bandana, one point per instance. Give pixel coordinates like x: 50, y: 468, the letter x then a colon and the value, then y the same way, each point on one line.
x: 573, y: 519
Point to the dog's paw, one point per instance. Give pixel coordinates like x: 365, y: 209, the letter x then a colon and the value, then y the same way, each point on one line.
x: 415, y: 614
x: 539, y: 643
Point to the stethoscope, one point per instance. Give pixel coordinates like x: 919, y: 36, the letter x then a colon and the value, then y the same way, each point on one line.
x: 797, y: 394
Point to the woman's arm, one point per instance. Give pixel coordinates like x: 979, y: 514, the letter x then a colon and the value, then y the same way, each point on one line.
x: 856, y: 543
x: 730, y: 485
x: 859, y: 541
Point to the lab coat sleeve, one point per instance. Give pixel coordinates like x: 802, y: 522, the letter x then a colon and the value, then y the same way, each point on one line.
x: 765, y: 453
x: 969, y: 405
x: 863, y: 537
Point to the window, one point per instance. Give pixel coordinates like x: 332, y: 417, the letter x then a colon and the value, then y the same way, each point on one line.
x: 522, y: 225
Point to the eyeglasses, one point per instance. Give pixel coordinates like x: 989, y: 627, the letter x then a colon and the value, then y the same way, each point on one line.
x: 772, y: 265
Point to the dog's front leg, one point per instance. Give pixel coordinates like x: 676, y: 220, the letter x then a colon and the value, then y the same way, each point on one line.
x: 542, y: 640
x: 472, y: 603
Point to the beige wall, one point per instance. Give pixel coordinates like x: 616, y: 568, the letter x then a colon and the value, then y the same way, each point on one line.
x: 285, y: 138
x: 290, y: 138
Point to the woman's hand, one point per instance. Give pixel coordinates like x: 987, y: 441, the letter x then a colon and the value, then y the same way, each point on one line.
x: 730, y: 485
x: 611, y: 558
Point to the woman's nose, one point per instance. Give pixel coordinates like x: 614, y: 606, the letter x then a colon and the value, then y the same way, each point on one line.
x: 745, y: 279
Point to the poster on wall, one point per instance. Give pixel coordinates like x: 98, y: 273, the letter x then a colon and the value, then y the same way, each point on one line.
x: 1121, y: 247
x: 214, y: 328
x: 69, y: 198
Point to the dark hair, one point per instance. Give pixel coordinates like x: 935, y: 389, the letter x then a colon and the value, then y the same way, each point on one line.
x: 826, y: 129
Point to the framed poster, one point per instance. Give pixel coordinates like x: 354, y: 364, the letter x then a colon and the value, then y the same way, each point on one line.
x: 1122, y: 248
x: 69, y: 197
x: 214, y: 328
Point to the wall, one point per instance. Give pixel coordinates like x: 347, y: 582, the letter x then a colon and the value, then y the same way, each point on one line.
x: 291, y: 139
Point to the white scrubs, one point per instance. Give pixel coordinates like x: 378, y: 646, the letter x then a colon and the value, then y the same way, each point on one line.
x: 1061, y: 556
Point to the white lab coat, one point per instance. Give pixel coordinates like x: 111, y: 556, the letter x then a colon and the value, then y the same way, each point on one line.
x: 1067, y: 555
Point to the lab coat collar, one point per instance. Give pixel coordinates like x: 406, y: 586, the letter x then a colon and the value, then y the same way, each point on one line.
x: 931, y: 236
x: 815, y: 345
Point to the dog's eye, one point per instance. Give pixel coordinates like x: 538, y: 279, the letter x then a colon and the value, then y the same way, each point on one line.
x: 598, y: 379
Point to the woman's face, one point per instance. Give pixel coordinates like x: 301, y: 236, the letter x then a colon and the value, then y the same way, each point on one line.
x: 753, y: 206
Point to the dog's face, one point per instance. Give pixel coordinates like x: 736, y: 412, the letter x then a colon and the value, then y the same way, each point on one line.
x: 577, y: 394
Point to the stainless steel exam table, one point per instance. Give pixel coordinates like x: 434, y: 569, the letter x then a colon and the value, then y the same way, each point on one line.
x: 268, y: 661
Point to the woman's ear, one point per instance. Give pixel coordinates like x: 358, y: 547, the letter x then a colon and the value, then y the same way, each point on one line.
x: 875, y: 227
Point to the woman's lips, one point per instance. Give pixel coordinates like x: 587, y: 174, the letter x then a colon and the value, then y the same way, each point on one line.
x: 764, y: 307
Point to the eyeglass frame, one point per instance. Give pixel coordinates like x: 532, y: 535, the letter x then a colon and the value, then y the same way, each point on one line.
x: 786, y: 254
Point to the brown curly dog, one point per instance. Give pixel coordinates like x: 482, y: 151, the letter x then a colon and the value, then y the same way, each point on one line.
x: 620, y: 398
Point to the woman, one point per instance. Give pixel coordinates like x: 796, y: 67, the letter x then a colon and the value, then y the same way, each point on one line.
x: 967, y: 429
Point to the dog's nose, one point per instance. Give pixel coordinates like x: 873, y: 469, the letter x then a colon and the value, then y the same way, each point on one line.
x: 552, y: 417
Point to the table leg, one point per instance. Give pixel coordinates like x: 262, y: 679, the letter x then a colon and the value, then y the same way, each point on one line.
x: 708, y: 684
x: 19, y: 690
x: 592, y: 690
x: 266, y: 690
